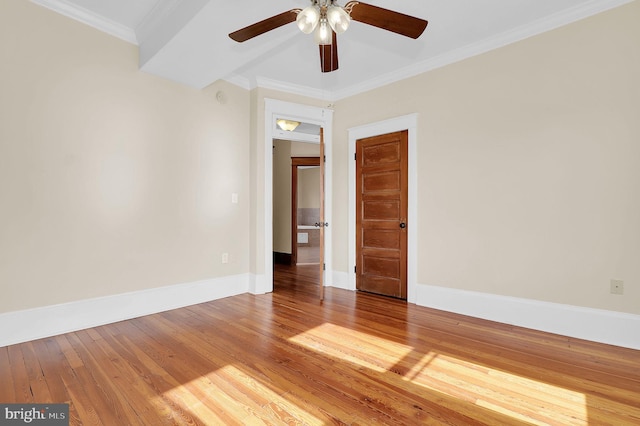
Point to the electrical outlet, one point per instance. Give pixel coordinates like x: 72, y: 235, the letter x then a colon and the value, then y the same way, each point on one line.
x: 225, y: 257
x: 617, y: 287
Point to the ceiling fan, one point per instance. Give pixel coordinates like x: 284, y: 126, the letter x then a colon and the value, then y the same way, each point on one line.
x: 328, y: 19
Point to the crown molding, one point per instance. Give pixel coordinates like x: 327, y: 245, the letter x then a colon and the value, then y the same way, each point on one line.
x: 311, y: 92
x: 531, y: 29
x: 92, y: 19
x: 239, y: 81
x: 534, y: 28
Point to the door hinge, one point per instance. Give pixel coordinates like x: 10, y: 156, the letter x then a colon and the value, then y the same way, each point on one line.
x: 324, y: 158
x: 355, y: 269
x: 324, y: 266
x: 355, y: 157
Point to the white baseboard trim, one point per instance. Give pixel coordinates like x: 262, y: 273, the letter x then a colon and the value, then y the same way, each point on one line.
x: 597, y: 325
x: 340, y: 280
x: 38, y: 323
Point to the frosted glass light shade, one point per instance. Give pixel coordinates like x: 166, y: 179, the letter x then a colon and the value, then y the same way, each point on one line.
x: 323, y: 35
x: 338, y: 18
x: 308, y: 19
x: 287, y: 125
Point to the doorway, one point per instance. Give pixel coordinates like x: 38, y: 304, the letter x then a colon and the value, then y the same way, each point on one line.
x: 298, y: 208
x: 262, y: 280
x: 305, y: 210
x: 292, y: 162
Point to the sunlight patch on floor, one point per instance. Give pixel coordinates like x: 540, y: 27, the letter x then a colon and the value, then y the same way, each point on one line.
x: 182, y: 397
x: 536, y: 402
x: 353, y: 346
x: 523, y: 399
x: 213, y: 400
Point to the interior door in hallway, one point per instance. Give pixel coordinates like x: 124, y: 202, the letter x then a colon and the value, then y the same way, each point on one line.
x: 381, y: 214
x: 322, y: 224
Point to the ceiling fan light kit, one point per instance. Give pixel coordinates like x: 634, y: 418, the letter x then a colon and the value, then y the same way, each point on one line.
x: 323, y: 34
x: 321, y: 13
x: 308, y: 19
x: 328, y: 19
x: 338, y: 18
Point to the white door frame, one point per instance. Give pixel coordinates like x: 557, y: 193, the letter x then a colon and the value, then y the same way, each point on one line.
x: 409, y: 123
x: 275, y: 109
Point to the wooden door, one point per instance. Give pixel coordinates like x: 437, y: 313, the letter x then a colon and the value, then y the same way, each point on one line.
x: 322, y: 223
x: 381, y: 214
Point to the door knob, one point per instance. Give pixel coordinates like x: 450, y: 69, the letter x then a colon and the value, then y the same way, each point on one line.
x: 403, y: 225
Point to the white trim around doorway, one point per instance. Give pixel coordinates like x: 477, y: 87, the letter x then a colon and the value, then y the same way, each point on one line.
x: 275, y: 109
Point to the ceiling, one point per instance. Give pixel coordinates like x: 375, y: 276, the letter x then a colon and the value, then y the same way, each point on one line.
x: 187, y: 40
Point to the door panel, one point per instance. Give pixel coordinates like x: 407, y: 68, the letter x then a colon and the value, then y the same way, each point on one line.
x: 381, y: 154
x: 382, y: 181
x: 380, y: 266
x: 380, y: 285
x: 377, y: 238
x: 381, y: 212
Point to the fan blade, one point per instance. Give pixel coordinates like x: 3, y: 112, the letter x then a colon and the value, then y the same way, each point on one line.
x: 329, y: 55
x: 389, y: 20
x: 267, y: 25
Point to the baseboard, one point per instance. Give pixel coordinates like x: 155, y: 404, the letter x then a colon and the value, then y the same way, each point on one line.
x: 597, y: 325
x: 38, y: 323
x: 282, y: 258
x: 340, y: 280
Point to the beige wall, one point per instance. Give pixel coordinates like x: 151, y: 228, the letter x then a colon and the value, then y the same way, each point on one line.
x: 528, y: 165
x: 309, y: 188
x: 111, y: 180
x: 304, y: 149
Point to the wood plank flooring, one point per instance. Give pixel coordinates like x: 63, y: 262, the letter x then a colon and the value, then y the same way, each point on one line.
x: 286, y: 358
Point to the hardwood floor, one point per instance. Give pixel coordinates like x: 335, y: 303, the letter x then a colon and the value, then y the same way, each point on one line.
x: 286, y: 358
